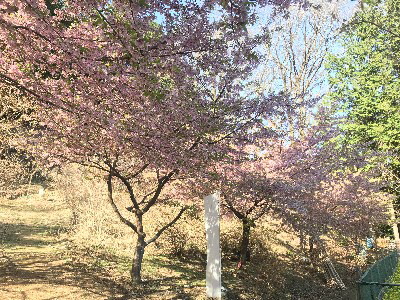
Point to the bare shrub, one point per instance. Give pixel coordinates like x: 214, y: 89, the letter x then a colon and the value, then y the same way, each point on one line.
x: 230, y: 237
x: 94, y: 227
x: 186, y: 238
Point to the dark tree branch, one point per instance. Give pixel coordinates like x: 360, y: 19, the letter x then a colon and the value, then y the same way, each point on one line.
x: 157, y: 235
x: 237, y: 213
x: 195, y: 144
x: 254, y: 206
x: 127, y: 184
x: 33, y: 31
x: 147, y: 195
x: 9, y: 81
x: 161, y: 183
x: 139, y: 171
x: 263, y: 211
x: 379, y: 26
x: 114, y: 206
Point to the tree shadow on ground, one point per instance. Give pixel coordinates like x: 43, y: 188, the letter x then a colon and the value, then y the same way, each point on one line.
x: 22, y: 235
x: 165, y: 277
x: 48, y: 271
x: 188, y: 270
x: 60, y: 276
x: 266, y: 277
x: 31, y: 264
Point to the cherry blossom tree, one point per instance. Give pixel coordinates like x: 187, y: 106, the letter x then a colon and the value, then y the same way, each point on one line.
x: 316, y: 186
x: 143, y: 90
x: 248, y: 191
x: 334, y: 189
x: 293, y: 65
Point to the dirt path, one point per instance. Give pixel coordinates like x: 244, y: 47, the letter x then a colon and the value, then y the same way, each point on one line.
x: 35, y: 264
x: 32, y: 264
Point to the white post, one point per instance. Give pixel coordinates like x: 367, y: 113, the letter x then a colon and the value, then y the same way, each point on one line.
x: 213, y: 271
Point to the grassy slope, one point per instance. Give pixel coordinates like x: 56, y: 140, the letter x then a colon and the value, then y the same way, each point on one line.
x: 393, y: 293
x: 32, y: 264
x: 38, y: 262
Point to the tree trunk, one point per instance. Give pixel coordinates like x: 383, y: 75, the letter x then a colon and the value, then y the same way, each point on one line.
x: 311, y: 249
x: 302, y: 242
x: 395, y: 227
x: 244, y: 247
x: 136, y: 274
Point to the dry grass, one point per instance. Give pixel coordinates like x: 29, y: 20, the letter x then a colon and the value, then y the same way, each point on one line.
x: 69, y: 240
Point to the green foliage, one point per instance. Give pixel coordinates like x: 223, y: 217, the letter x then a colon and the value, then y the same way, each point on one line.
x: 384, y: 230
x: 393, y: 293
x: 52, y: 5
x: 365, y: 84
x: 365, y: 80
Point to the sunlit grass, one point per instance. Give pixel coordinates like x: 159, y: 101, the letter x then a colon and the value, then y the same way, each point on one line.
x: 393, y: 293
